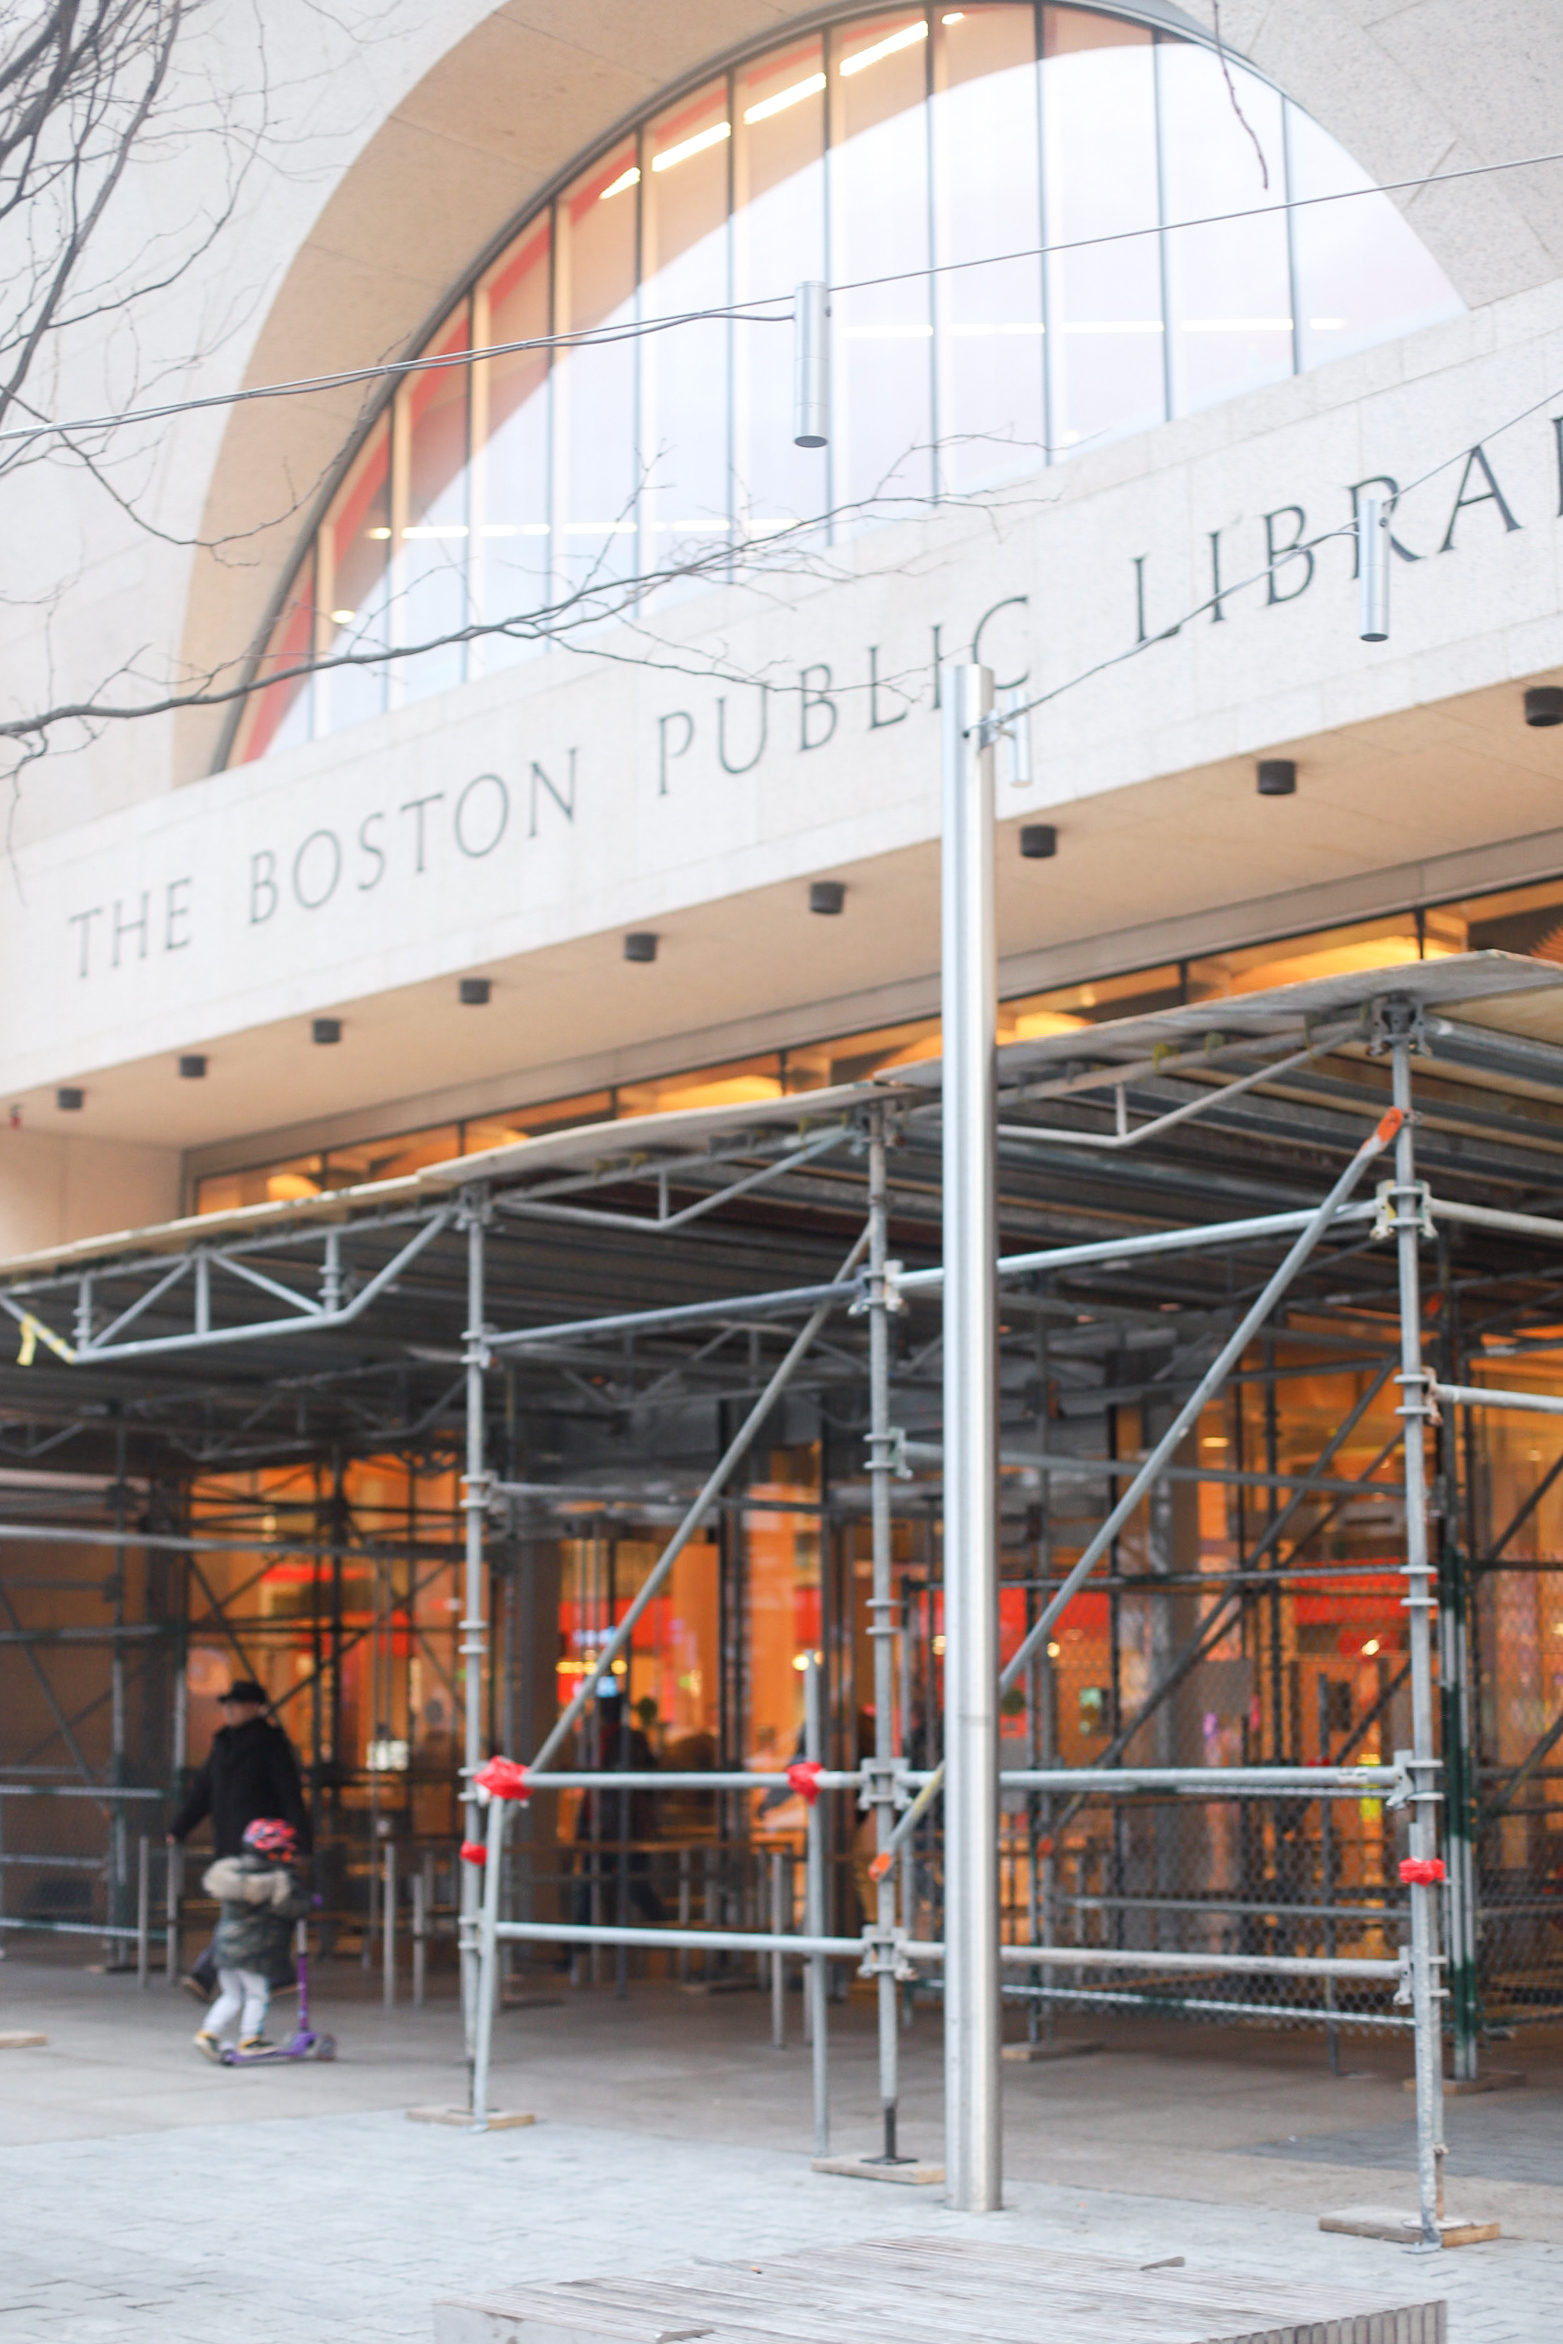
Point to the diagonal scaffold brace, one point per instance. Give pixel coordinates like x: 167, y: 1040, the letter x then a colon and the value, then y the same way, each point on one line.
x: 1383, y: 1133
x: 500, y: 1800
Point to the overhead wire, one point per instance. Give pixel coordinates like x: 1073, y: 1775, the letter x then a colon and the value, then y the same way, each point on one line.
x: 759, y: 309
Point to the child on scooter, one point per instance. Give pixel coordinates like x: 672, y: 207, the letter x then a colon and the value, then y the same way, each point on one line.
x: 261, y: 1898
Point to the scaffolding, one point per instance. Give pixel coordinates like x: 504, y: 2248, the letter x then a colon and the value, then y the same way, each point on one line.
x: 1276, y: 1284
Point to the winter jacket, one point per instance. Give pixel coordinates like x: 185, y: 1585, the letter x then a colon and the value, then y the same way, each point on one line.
x: 260, y: 1903
x: 251, y: 1772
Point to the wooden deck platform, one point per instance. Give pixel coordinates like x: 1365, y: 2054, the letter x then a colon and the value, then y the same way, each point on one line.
x: 922, y: 2291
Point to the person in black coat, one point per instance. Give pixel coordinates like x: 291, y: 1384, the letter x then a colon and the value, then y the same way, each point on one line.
x: 250, y: 1771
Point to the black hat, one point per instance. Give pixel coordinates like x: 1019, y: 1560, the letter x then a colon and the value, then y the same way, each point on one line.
x: 243, y: 1689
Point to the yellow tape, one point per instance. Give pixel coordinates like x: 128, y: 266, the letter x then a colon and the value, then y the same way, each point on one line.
x: 33, y: 1332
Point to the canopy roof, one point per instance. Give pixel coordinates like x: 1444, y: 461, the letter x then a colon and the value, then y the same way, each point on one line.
x: 651, y: 1265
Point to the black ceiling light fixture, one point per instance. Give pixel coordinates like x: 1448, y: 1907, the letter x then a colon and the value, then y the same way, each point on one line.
x: 1544, y: 704
x: 1277, y: 777
x: 1038, y: 841
x: 326, y: 1029
x: 640, y: 944
x: 828, y: 897
x: 473, y: 992
x: 69, y: 1099
x: 192, y: 1066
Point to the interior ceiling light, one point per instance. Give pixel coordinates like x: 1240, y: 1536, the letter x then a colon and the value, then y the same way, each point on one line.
x: 192, y: 1066
x: 1276, y: 777
x: 378, y: 534
x: 827, y: 896
x: 343, y: 618
x: 785, y: 98
x: 904, y: 39
x: 692, y: 146
x: 1544, y: 705
x: 629, y: 178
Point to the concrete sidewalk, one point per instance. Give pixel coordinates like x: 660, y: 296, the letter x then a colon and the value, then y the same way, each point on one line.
x: 150, y: 2197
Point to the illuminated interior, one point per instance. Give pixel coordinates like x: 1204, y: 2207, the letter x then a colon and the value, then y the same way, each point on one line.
x: 1527, y: 919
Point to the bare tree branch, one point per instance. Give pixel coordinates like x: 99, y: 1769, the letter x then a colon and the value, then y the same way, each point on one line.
x: 1226, y: 71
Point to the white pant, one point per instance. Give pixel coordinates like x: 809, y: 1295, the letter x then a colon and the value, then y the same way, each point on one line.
x: 246, y: 1988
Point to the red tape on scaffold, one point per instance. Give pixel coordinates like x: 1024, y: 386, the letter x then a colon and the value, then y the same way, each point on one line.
x: 1422, y: 1871
x: 804, y: 1777
x: 503, y: 1778
x: 474, y: 1852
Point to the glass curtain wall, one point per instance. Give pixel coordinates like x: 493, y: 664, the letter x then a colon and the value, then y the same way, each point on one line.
x: 1013, y: 207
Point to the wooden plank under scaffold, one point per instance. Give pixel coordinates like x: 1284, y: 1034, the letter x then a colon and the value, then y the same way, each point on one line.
x: 930, y: 2291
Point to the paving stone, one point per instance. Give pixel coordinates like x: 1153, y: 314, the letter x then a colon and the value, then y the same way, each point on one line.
x: 1515, y: 2138
x: 145, y: 2207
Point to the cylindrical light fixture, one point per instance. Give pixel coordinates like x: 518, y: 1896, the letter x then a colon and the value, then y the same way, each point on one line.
x: 69, y: 1099
x: 828, y: 896
x: 326, y: 1029
x: 473, y: 992
x: 1544, y: 704
x: 1277, y: 777
x: 640, y: 944
x: 1373, y: 550
x: 1038, y: 840
x: 810, y: 366
x: 192, y: 1066
x: 1015, y: 739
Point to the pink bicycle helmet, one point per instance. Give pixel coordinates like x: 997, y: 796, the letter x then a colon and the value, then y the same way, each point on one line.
x: 268, y: 1835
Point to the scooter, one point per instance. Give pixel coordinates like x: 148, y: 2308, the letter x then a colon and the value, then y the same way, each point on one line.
x: 303, y: 2043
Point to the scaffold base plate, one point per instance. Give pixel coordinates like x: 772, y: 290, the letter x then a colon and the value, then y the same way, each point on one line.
x: 1404, y: 2229
x: 924, y: 2291
x: 1023, y: 2054
x: 498, y: 2119
x: 1492, y: 2079
x: 910, y: 2172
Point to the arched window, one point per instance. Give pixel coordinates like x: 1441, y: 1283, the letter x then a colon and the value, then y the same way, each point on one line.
x: 916, y: 159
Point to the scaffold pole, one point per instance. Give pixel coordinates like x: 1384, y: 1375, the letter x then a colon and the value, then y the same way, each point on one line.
x: 1421, y: 1873
x: 474, y: 1501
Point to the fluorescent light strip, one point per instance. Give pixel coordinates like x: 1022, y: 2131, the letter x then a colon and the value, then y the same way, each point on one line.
x: 887, y: 333
x: 692, y: 146
x: 599, y: 528
x: 785, y: 98
x: 629, y: 178
x: 905, y: 39
x: 438, y: 529
x: 1237, y: 325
